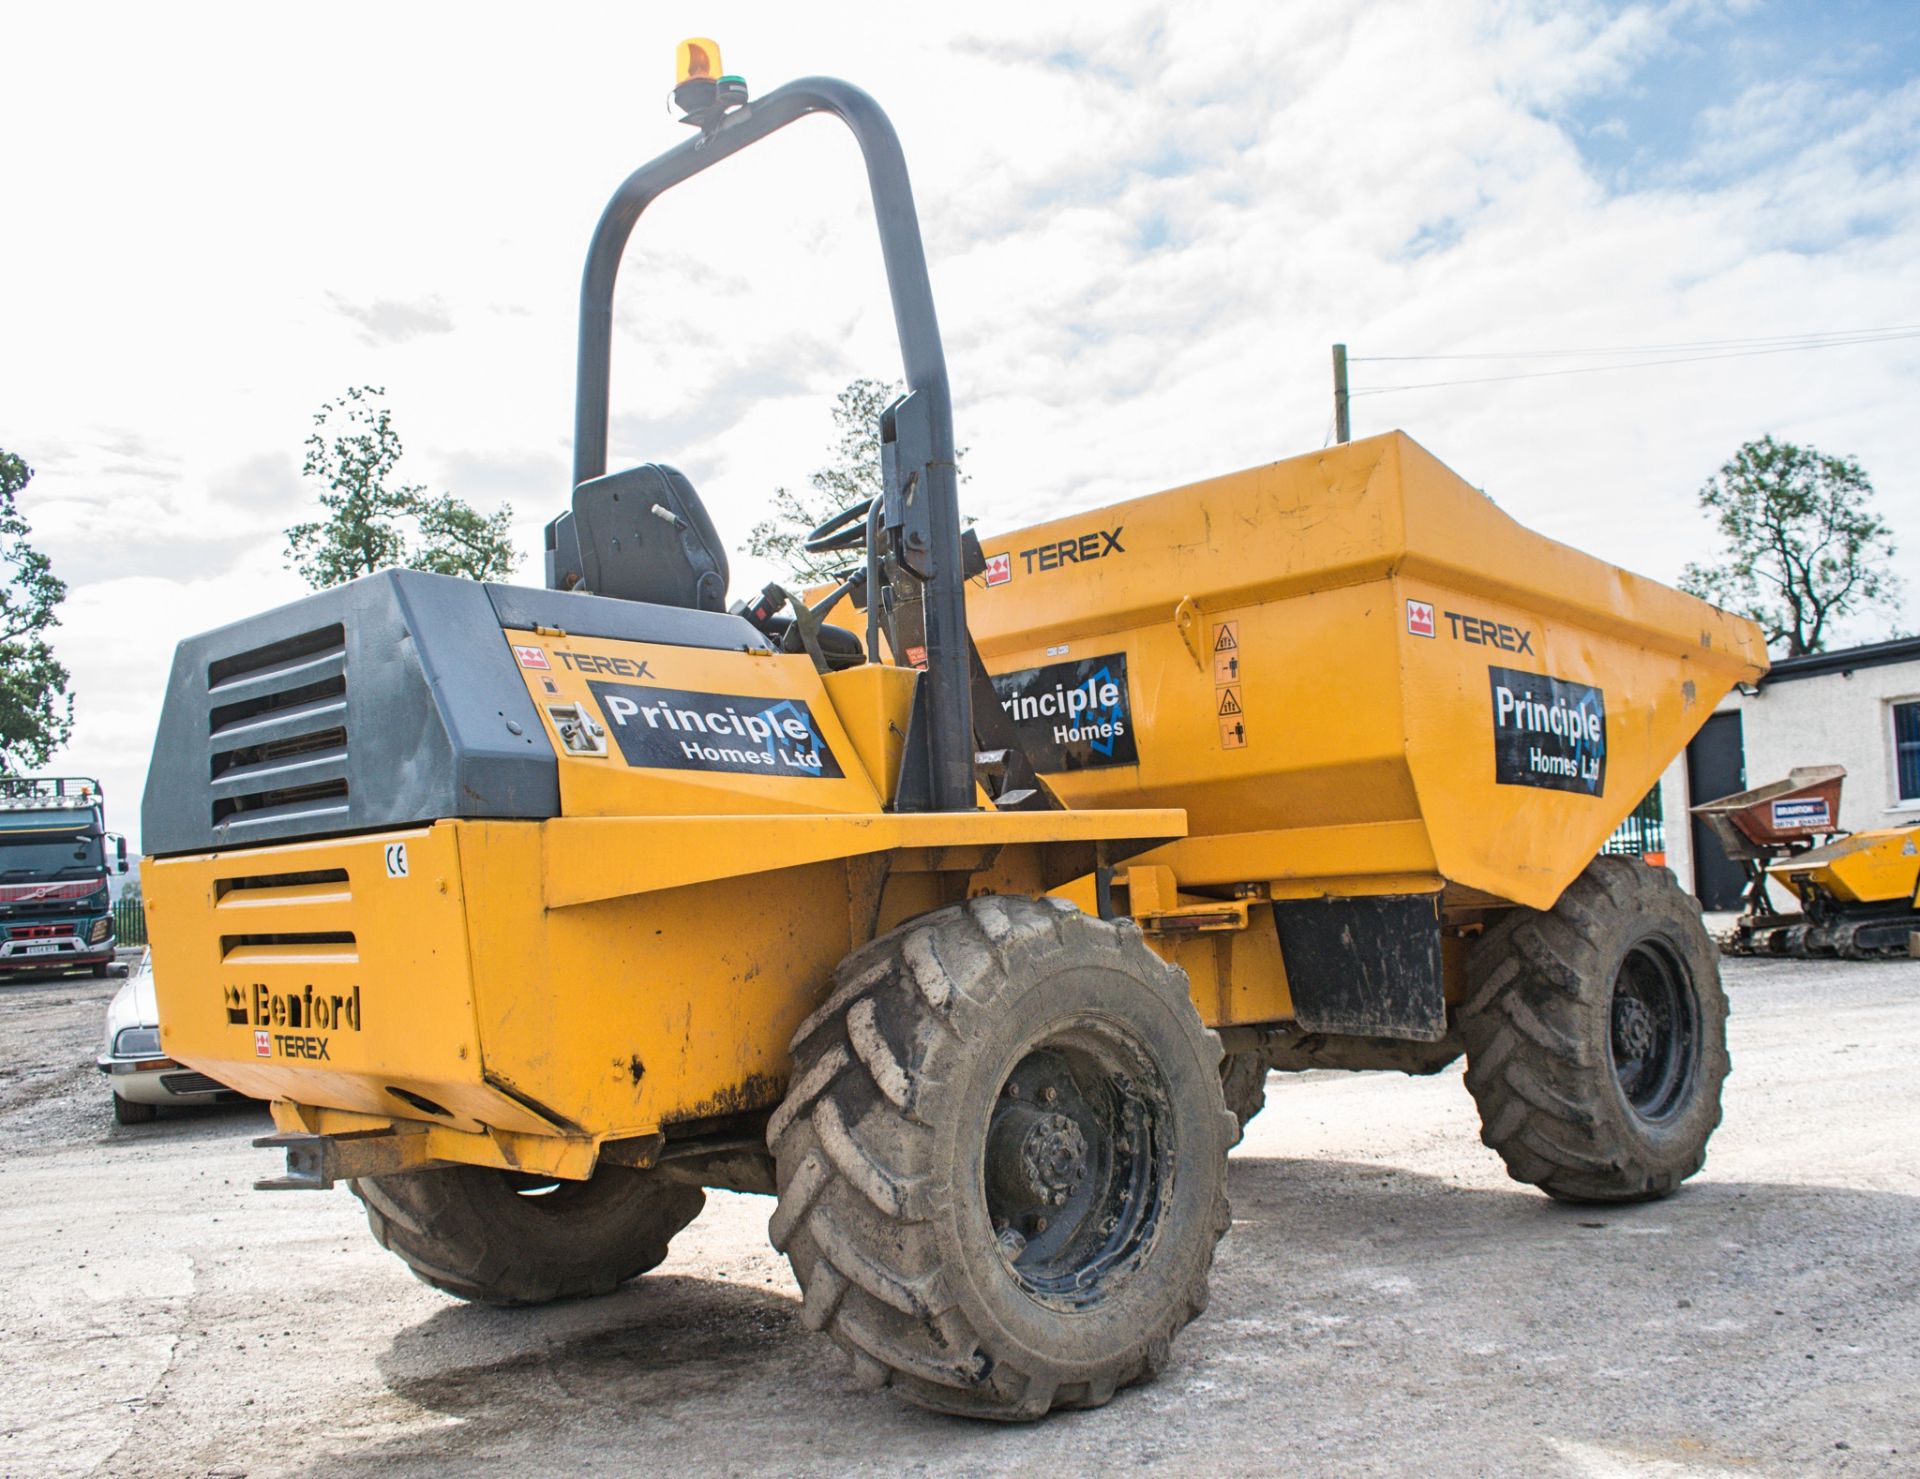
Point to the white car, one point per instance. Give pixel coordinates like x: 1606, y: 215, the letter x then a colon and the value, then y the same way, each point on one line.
x: 141, y: 1076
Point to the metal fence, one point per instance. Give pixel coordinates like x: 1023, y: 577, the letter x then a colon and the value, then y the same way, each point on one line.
x: 130, y: 921
x: 1644, y: 831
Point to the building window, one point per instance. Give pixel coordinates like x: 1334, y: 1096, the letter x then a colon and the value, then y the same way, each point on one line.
x: 1906, y: 749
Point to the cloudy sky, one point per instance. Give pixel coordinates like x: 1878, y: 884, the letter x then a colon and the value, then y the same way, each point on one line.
x: 1146, y: 225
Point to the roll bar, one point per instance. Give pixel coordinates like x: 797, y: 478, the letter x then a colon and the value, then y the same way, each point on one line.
x: 949, y: 735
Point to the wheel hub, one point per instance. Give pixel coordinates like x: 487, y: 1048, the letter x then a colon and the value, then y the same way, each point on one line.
x: 1655, y: 1037
x: 1632, y: 1027
x: 1075, y: 1167
x: 1054, y: 1158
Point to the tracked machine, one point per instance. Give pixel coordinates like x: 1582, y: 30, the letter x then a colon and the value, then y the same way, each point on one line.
x: 1859, y: 892
x: 968, y: 928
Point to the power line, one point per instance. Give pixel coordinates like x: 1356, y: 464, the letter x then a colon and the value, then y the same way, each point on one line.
x: 1809, y: 340
x: 1686, y: 359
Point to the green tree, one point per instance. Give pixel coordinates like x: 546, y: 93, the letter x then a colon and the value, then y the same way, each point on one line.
x: 373, y: 521
x: 36, y: 710
x: 852, y: 475
x: 1803, y: 546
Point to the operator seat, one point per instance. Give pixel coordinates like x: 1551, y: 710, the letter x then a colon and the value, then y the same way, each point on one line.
x: 639, y: 535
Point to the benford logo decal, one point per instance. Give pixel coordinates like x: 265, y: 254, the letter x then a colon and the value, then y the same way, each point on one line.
x: 291, y: 1024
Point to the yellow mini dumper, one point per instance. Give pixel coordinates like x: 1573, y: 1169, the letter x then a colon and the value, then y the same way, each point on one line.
x: 1859, y: 892
x: 534, y: 912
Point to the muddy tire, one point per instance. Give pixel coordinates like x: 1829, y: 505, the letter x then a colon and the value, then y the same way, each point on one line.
x: 496, y: 1237
x: 132, y: 1112
x: 1243, y: 1083
x: 1002, y: 1161
x: 1596, y: 1037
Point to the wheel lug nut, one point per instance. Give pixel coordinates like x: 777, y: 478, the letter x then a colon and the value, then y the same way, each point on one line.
x: 1013, y: 1091
x: 1039, y: 1224
x: 1049, y: 1094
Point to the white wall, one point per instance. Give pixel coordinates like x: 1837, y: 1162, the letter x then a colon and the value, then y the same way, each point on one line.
x: 1840, y: 718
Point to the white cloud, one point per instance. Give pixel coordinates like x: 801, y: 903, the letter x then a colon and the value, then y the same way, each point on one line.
x: 1144, y: 226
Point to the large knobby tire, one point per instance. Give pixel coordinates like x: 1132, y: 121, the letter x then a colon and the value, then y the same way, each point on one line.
x: 497, y: 1237
x: 1596, y: 1037
x: 1002, y: 1161
x: 1243, y: 1083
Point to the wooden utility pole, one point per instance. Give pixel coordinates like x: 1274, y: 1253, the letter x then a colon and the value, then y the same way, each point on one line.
x: 1342, y: 422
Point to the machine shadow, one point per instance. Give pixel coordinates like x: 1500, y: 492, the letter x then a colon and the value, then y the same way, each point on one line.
x: 1376, y: 1303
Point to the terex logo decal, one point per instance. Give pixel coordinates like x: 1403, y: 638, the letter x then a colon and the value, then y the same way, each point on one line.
x: 1483, y: 633
x: 1072, y: 715
x: 1095, y: 546
x: 999, y: 569
x: 619, y: 667
x: 1548, y: 732
x: 1420, y: 618
x: 675, y: 729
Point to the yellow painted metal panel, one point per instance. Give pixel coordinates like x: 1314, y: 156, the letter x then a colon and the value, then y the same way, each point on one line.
x: 591, y: 858
x: 643, y: 674
x: 1352, y: 609
x: 332, y: 971
x: 1876, y: 867
x: 873, y: 701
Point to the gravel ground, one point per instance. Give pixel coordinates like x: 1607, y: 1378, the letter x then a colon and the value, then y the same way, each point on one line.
x: 1386, y: 1303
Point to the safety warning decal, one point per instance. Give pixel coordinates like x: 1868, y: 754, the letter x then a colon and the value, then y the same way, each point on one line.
x: 674, y: 729
x: 1228, y: 709
x: 1548, y: 732
x: 1074, y: 715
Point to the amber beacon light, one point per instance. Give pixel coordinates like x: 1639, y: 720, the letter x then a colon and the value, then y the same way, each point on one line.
x: 702, y: 92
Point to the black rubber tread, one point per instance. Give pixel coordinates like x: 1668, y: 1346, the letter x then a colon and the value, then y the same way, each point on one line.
x: 1243, y: 1083
x: 133, y: 1112
x: 869, y: 1147
x: 466, y: 1230
x: 1537, y: 1026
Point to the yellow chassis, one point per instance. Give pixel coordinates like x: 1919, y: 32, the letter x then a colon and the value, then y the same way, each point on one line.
x: 523, y: 994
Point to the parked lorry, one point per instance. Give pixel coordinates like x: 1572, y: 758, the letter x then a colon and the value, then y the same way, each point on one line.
x: 534, y: 912
x: 55, y: 858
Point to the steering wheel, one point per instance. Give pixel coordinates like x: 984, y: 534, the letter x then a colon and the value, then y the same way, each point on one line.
x: 845, y: 530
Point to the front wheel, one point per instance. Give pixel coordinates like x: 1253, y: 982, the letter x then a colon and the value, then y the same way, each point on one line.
x: 133, y: 1112
x: 1002, y: 1162
x: 1596, y: 1037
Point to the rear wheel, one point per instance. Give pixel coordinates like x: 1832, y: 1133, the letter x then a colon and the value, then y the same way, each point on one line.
x: 1002, y: 1162
x: 1243, y: 1083
x: 1596, y: 1037
x: 503, y: 1237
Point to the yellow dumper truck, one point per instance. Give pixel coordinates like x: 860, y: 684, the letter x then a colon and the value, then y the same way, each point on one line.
x: 969, y: 937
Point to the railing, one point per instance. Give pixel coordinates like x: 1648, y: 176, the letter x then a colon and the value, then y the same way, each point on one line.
x: 130, y: 921
x: 1643, y: 833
